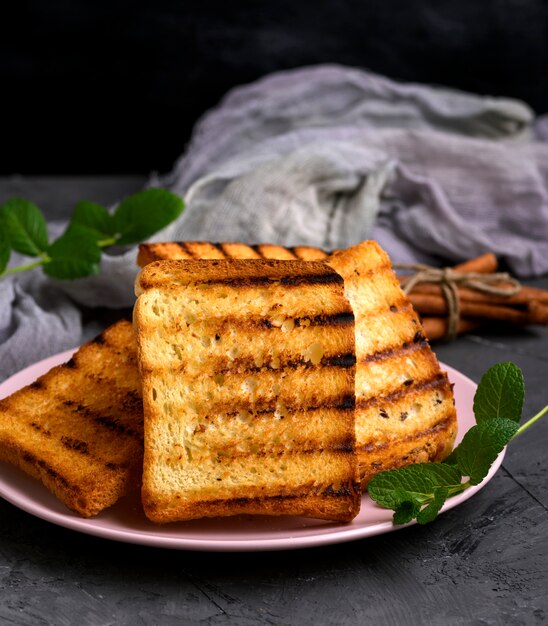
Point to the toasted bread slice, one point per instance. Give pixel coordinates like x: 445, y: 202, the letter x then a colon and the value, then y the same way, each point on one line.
x: 248, y: 389
x: 405, y: 409
x: 184, y: 250
x: 79, y: 428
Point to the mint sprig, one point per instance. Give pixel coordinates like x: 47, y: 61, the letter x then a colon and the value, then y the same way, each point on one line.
x: 419, y: 491
x: 77, y: 252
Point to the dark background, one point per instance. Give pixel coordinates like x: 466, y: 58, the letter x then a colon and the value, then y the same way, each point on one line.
x: 112, y: 87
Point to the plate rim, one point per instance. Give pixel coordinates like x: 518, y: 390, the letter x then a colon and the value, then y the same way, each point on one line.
x: 339, y: 534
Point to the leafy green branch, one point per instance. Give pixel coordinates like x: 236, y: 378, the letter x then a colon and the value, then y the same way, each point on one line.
x: 419, y: 491
x: 77, y: 252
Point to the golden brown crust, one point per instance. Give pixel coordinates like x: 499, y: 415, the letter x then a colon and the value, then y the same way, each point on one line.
x: 184, y: 250
x: 301, y: 504
x: 78, y: 428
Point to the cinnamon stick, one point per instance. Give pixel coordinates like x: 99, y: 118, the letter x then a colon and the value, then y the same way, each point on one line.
x: 528, y: 306
x: 525, y: 296
x: 436, y: 327
x: 483, y: 264
x: 437, y: 305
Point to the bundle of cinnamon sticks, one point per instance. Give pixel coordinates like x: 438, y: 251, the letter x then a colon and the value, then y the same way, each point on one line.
x: 527, y: 306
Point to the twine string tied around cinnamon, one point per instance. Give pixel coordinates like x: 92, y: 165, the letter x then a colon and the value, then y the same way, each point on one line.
x: 449, y: 281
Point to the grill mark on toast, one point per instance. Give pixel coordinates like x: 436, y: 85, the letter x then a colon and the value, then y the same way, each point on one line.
x: 131, y: 402
x: 338, y: 404
x: 40, y: 464
x: 345, y: 490
x: 434, y: 382
x: 220, y: 248
x: 41, y: 429
x: 247, y: 365
x: 312, y: 279
x: 339, y: 360
x: 115, y: 466
x: 168, y: 251
x: 444, y: 424
x: 258, y: 249
x: 335, y: 319
x: 187, y: 249
x: 114, y: 425
x: 390, y: 352
x: 75, y: 444
x: 260, y: 406
x: 78, y: 445
x: 257, y: 281
x: 344, y: 318
x: 111, y: 423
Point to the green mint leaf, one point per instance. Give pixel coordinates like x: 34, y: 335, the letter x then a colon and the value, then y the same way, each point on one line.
x: 481, y: 445
x: 25, y: 226
x: 93, y: 216
x: 500, y: 393
x: 141, y: 215
x: 74, y: 255
x: 440, y: 474
x: 406, y: 511
x: 406, y: 490
x: 386, y: 488
x: 5, y: 248
x: 430, y: 511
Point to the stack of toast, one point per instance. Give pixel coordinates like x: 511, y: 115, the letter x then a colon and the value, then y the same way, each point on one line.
x: 274, y: 380
x: 404, y: 403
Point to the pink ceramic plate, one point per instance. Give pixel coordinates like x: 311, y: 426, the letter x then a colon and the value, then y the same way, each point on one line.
x: 125, y: 521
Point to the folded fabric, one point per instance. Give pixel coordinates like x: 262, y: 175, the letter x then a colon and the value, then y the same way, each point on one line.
x: 328, y: 156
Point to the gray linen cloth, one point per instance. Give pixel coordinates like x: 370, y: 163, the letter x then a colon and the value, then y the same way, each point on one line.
x: 327, y: 156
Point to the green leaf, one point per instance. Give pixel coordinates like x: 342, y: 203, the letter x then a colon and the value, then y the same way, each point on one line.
x: 26, y: 226
x: 141, y: 215
x: 440, y: 474
x: 74, y: 255
x: 408, y: 489
x: 430, y: 512
x: 405, y: 512
x: 93, y: 216
x: 500, y: 394
x: 5, y: 248
x: 387, y: 487
x: 481, y: 445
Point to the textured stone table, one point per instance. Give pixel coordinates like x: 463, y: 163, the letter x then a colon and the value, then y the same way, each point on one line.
x: 484, y: 562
